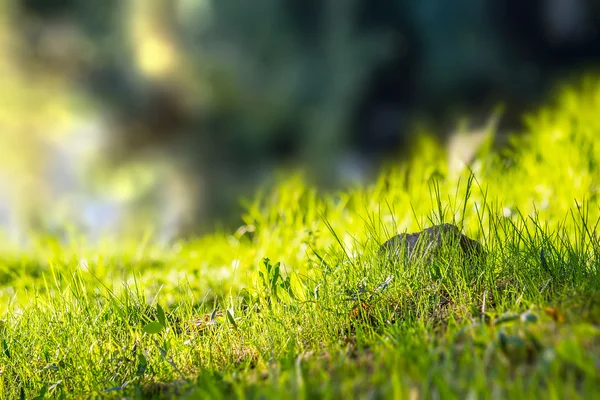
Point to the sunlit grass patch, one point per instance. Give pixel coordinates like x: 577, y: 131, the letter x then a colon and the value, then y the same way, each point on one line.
x: 301, y: 301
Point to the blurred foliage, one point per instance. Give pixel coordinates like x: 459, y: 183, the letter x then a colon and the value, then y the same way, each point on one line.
x: 186, y: 105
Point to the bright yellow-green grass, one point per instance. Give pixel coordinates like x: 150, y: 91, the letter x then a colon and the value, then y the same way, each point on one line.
x: 298, y: 303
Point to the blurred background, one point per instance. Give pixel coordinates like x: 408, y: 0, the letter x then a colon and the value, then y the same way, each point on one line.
x: 127, y: 116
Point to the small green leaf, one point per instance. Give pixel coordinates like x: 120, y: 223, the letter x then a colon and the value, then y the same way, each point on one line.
x: 267, y: 263
x: 230, y: 317
x: 287, y: 286
x: 5, y: 348
x: 161, y: 315
x: 262, y: 277
x: 142, y: 364
x: 153, y: 327
x: 275, y: 278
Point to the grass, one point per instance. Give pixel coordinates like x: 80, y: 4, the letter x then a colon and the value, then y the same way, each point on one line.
x: 298, y: 302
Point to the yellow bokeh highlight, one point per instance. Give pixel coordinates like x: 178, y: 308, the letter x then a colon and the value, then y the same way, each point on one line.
x: 154, y: 47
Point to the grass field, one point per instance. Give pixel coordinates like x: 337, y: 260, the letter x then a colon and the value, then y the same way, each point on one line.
x: 298, y: 303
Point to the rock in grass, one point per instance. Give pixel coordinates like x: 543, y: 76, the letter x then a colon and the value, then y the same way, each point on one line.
x: 429, y: 242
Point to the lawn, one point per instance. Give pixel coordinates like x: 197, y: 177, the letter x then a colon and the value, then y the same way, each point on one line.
x: 299, y: 302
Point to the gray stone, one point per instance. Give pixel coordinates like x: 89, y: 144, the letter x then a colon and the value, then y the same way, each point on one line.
x: 428, y: 243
